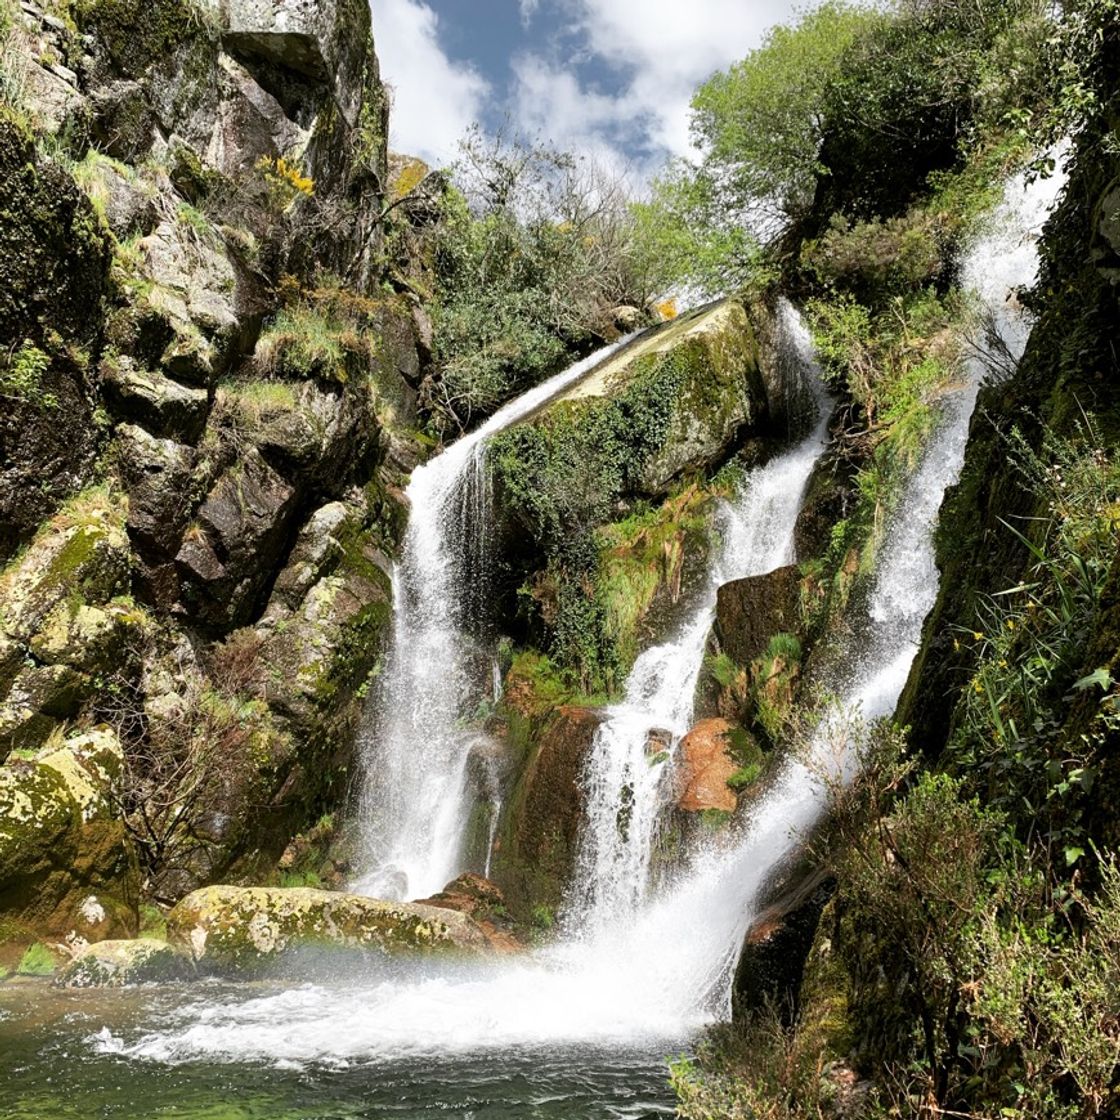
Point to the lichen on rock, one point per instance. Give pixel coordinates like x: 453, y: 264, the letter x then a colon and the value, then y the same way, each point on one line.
x: 238, y: 931
x: 119, y: 964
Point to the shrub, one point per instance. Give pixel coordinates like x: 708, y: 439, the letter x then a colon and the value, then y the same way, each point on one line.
x: 532, y: 252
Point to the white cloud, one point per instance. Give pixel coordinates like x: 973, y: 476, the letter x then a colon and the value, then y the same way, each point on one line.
x: 528, y: 9
x: 663, y: 48
x: 434, y: 100
x: 551, y: 105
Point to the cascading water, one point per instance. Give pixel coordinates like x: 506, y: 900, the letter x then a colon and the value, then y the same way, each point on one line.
x: 905, y: 589
x: 626, y: 785
x: 416, y: 798
x: 651, y: 977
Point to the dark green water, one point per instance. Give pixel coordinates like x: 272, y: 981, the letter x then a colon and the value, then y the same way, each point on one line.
x: 55, y: 1065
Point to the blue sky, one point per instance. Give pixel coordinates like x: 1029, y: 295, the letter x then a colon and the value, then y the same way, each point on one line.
x: 607, y: 78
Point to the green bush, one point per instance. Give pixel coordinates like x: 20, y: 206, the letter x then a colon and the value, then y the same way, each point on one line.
x: 21, y: 377
x: 533, y: 251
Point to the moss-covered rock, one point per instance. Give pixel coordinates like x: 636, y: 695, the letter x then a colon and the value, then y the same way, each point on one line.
x: 539, y: 835
x: 56, y: 262
x: 66, y: 866
x: 239, y: 931
x: 82, y: 553
x: 706, y: 365
x: 58, y: 617
x: 120, y: 964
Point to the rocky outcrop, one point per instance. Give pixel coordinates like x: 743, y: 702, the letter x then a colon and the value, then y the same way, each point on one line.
x: 536, y: 854
x: 66, y: 867
x: 200, y: 361
x: 121, y: 964
x: 62, y: 617
x: 704, y: 766
x: 238, y: 931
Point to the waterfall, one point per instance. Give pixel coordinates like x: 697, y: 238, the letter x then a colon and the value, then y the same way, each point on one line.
x: 416, y: 749
x: 627, y: 785
x: 663, y: 968
x: 726, y: 889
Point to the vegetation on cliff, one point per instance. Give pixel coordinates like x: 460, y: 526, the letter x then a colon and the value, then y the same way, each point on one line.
x: 966, y: 964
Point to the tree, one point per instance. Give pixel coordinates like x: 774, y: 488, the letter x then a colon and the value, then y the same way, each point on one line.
x: 535, y: 251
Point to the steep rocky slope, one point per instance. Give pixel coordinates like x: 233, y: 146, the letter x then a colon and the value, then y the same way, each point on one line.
x: 207, y: 392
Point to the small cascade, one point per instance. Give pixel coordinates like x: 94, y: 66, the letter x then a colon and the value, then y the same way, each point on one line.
x: 724, y: 889
x: 628, y: 775
x: 416, y: 800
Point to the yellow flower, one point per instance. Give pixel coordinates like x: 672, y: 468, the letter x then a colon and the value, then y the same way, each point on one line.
x: 1011, y: 624
x: 977, y: 634
x: 956, y: 646
x: 1003, y: 663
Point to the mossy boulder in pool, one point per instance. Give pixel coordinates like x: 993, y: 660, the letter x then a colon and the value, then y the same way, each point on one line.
x: 231, y: 931
x: 118, y: 964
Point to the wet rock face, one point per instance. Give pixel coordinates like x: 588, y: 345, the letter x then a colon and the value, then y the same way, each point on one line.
x: 241, y: 531
x: 749, y: 612
x: 772, y: 964
x: 704, y: 766
x: 537, y: 853
x: 243, y: 931
x: 56, y: 262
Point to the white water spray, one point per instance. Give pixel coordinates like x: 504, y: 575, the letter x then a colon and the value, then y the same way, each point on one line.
x: 664, y: 970
x: 416, y: 801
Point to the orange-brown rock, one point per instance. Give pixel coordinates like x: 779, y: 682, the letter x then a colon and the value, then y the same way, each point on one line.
x: 705, y: 765
x: 483, y: 901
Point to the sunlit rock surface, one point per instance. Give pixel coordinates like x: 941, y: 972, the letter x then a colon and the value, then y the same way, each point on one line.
x: 244, y: 930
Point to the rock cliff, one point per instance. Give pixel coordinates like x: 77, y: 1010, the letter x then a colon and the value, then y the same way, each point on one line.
x: 208, y: 388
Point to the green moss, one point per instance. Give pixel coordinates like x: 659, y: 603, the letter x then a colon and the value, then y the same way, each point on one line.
x: 138, y: 33
x: 21, y: 377
x: 643, y: 558
x: 715, y: 819
x: 745, y: 776
x: 37, y: 961
x: 153, y: 922
x: 356, y: 655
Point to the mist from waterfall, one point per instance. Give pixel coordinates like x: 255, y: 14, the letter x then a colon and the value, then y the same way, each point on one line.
x: 662, y: 967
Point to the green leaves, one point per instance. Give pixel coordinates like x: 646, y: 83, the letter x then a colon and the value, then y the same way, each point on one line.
x: 1101, y: 678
